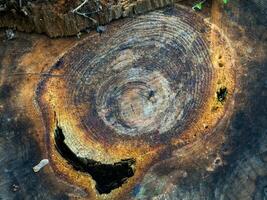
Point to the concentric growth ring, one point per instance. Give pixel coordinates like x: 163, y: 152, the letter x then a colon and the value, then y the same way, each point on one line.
x: 147, y: 84
x: 149, y: 77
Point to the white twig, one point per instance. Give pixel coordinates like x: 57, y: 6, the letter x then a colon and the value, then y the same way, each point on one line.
x: 40, y: 165
x: 75, y: 10
x: 87, y: 15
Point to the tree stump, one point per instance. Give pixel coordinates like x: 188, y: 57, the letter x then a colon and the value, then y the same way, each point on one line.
x: 170, y: 104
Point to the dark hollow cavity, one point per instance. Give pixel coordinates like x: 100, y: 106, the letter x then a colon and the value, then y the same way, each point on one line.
x: 106, y: 176
x: 221, y: 64
x: 221, y: 94
x: 151, y: 94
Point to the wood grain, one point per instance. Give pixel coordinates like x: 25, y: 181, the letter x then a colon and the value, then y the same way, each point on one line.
x: 216, y: 150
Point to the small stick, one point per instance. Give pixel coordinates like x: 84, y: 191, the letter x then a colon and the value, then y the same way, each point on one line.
x: 75, y: 10
x: 86, y: 14
x: 40, y: 165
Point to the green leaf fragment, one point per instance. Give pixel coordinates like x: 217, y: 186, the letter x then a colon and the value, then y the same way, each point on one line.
x: 198, y: 6
x: 225, y: 1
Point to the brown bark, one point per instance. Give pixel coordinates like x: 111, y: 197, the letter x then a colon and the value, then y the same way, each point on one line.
x: 56, y: 19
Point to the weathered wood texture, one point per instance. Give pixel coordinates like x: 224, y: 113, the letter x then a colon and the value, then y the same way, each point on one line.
x: 56, y: 18
x: 43, y: 85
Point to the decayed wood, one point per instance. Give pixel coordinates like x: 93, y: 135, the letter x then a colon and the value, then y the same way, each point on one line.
x: 226, y: 162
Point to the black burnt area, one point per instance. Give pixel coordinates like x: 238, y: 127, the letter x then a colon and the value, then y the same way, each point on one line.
x: 221, y: 94
x: 58, y: 64
x: 260, y: 188
x: 19, y: 152
x: 5, y: 91
x: 106, y: 176
x: 247, y: 130
x: 252, y: 19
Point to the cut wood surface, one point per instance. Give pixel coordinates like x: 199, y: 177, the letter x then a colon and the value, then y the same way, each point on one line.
x: 170, y: 104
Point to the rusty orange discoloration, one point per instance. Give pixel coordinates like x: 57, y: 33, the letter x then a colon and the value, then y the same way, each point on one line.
x: 53, y: 94
x: 143, y: 153
x: 44, y: 54
x: 225, y: 67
